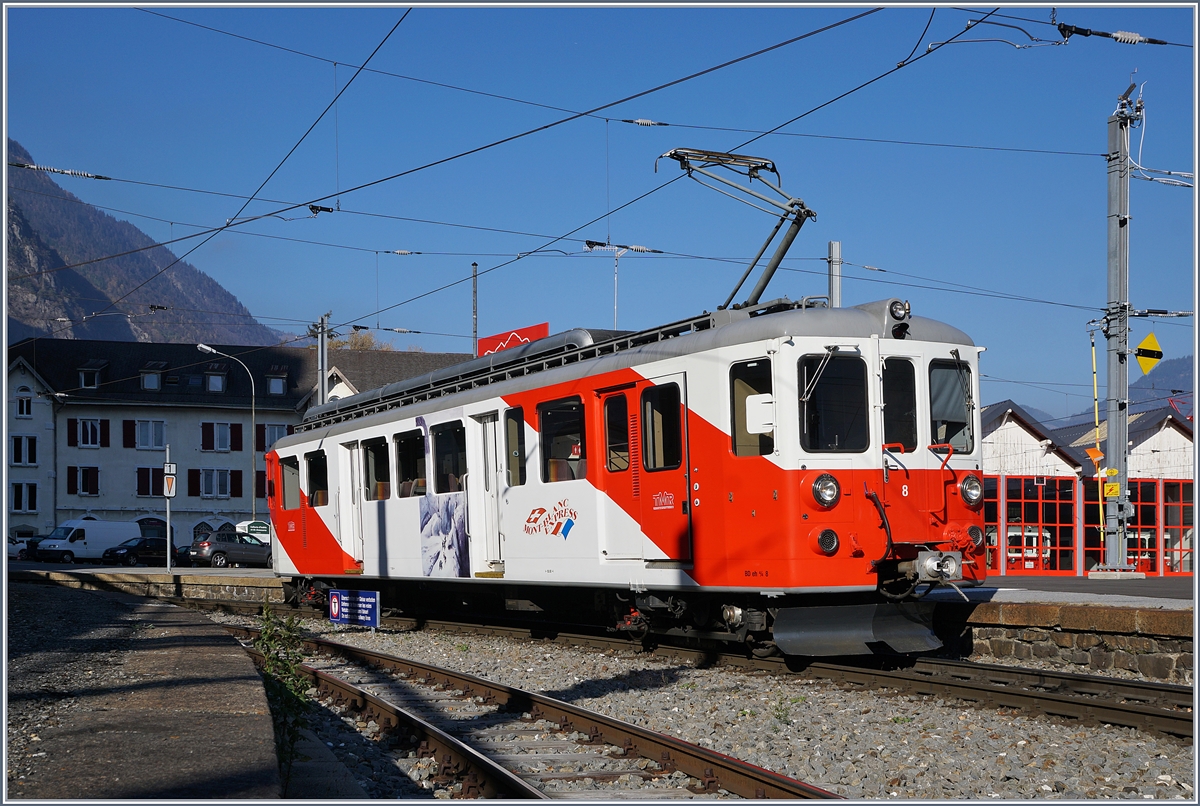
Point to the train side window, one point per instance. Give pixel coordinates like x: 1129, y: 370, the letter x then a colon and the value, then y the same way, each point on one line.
x: 662, y: 428
x: 900, y: 403
x: 514, y: 446
x: 318, y: 478
x: 564, y: 448
x: 749, y: 378
x: 616, y: 432
x: 949, y: 405
x: 410, y: 463
x: 833, y: 404
x: 449, y: 456
x: 289, y: 466
x: 377, y: 475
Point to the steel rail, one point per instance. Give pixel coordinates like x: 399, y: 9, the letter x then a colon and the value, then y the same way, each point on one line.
x: 714, y: 770
x: 457, y: 761
x: 1162, y: 695
x: 1128, y: 703
x: 1130, y: 715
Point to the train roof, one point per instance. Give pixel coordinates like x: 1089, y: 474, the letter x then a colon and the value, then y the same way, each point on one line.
x: 592, y: 351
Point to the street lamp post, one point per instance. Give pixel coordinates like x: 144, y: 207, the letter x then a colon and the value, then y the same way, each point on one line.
x: 204, y: 348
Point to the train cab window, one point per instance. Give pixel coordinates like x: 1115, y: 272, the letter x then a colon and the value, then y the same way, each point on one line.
x: 749, y: 378
x: 564, y: 449
x: 449, y: 456
x: 410, y: 463
x: 662, y: 428
x: 289, y: 468
x: 616, y: 432
x: 318, y: 478
x: 377, y: 475
x: 833, y: 404
x: 514, y: 446
x: 950, y: 405
x: 900, y: 403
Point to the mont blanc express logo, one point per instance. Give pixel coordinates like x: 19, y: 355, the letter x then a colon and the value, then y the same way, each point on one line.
x: 558, y: 520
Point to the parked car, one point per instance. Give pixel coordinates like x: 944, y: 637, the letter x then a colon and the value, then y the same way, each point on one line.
x: 17, y: 550
x: 85, y: 539
x: 137, y: 550
x: 223, y: 549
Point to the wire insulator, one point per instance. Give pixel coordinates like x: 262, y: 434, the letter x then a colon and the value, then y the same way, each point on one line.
x: 636, y: 248
x: 645, y: 122
x: 1127, y: 37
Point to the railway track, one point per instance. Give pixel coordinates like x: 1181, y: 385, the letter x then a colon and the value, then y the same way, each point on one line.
x: 477, y: 738
x: 1160, y: 707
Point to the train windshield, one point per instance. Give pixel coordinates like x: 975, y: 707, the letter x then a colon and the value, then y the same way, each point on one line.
x: 950, y: 405
x: 833, y: 404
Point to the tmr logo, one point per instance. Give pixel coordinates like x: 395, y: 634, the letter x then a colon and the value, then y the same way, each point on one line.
x: 664, y: 500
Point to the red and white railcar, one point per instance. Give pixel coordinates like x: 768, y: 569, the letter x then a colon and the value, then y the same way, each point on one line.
x: 787, y: 475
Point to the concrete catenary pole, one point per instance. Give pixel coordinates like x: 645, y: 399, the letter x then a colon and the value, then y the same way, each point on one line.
x: 835, y: 274
x: 1116, y: 332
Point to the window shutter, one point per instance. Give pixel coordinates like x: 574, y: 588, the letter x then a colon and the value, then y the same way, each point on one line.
x: 260, y: 438
x: 260, y: 484
x: 104, y: 433
x: 72, y: 480
x: 143, y: 479
x: 207, y: 440
x: 72, y: 432
x: 156, y: 481
x: 235, y: 436
x: 235, y: 484
x: 194, y: 482
x: 129, y: 433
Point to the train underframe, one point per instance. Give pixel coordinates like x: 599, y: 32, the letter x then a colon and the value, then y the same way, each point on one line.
x: 811, y: 625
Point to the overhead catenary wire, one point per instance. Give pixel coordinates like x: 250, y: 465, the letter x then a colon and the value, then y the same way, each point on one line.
x: 649, y: 192
x: 495, y: 143
x: 274, y: 171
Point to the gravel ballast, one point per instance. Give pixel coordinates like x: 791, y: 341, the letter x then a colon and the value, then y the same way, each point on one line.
x: 858, y: 744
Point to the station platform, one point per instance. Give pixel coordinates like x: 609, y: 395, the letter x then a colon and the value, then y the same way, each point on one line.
x: 185, y: 717
x: 167, y: 705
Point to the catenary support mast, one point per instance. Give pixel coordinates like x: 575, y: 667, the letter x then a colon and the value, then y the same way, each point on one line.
x: 1116, y: 331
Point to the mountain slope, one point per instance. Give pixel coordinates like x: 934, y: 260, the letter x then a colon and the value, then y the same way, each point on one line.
x: 49, y: 228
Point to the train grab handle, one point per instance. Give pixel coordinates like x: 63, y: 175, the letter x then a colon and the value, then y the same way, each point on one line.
x: 949, y: 452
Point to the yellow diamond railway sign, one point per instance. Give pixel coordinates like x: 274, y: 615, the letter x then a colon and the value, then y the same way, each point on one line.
x: 1148, y: 353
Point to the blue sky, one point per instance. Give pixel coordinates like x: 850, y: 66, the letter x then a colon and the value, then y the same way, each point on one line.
x: 132, y: 95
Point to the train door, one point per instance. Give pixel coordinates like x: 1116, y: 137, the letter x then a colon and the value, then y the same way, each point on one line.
x: 350, y: 502
x: 621, y: 472
x: 665, y: 489
x: 483, y: 490
x: 904, y: 487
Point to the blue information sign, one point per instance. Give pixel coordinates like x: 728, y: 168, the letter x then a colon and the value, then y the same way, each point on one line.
x: 354, y: 607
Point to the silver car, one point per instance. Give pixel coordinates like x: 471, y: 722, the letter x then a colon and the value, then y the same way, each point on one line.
x: 224, y: 549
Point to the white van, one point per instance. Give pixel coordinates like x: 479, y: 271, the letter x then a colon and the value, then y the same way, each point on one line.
x: 85, y: 539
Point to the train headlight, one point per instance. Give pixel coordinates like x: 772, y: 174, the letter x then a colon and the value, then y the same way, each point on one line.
x: 828, y: 541
x: 972, y: 490
x: 826, y: 490
x: 899, y: 310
